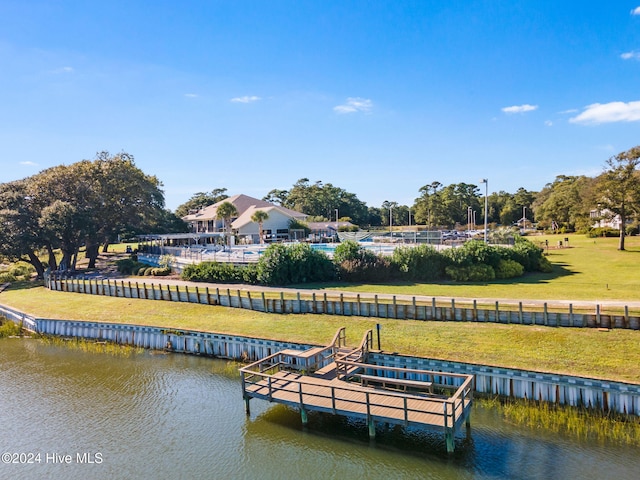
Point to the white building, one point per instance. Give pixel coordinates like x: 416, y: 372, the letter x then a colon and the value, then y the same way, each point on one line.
x: 276, y: 227
x: 604, y: 219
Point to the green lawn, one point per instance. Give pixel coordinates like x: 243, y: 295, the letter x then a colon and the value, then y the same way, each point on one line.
x: 610, y: 355
x: 590, y: 269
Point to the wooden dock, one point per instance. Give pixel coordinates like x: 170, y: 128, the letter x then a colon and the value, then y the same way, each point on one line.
x: 337, y: 380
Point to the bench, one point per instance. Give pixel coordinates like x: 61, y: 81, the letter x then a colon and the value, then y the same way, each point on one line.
x: 396, y: 383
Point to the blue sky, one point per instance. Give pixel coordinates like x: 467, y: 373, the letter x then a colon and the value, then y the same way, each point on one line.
x: 376, y: 97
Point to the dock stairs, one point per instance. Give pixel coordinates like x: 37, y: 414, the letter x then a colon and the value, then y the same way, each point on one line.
x: 340, y: 380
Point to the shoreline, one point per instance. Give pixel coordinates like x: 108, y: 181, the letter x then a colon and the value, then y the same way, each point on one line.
x: 597, y: 394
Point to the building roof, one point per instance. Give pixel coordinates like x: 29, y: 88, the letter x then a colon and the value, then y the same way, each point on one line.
x: 242, y: 203
x: 245, y: 218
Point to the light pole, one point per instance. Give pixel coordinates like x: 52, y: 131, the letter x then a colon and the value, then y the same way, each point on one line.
x: 336, y: 215
x: 524, y: 218
x: 486, y: 205
x: 409, y: 216
x: 391, y: 222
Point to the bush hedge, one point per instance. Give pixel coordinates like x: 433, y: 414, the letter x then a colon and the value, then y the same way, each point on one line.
x: 471, y: 273
x: 421, y: 263
x: 293, y: 264
x: 220, y: 273
x: 129, y: 266
x: 286, y: 264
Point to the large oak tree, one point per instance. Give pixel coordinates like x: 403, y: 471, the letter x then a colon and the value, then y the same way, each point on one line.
x: 65, y: 207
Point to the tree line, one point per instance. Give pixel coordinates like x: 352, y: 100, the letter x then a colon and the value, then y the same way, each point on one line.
x: 566, y: 204
x: 93, y: 202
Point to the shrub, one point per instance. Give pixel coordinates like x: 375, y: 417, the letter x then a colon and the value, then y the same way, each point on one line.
x: 141, y: 269
x: 221, y: 273
x: 249, y: 274
x: 544, y: 265
x: 160, y: 271
x: 369, y: 267
x: 473, y: 252
x: 7, y: 277
x: 286, y: 264
x: 8, y: 328
x: 422, y: 262
x: 22, y: 269
x: 603, y: 232
x: 527, y: 254
x: 125, y: 265
x: 129, y: 266
x: 472, y: 273
x: 147, y: 272
x: 509, y: 269
x: 212, y: 272
x: 347, y: 250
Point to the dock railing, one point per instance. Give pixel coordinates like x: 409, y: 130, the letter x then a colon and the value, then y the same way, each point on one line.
x: 406, y: 409
x: 260, y: 380
x: 356, y: 355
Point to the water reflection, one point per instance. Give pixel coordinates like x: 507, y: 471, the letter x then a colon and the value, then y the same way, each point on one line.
x: 169, y: 416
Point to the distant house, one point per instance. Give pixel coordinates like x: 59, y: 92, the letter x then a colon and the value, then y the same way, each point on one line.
x: 275, y: 228
x: 604, y: 218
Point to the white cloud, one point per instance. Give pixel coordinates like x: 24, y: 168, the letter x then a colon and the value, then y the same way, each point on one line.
x: 354, y: 104
x: 520, y: 108
x: 630, y: 55
x: 62, y: 70
x: 28, y: 163
x: 597, y: 113
x: 191, y: 95
x: 571, y: 110
x: 548, y: 123
x: 245, y: 99
x: 606, y: 148
x: 635, y: 11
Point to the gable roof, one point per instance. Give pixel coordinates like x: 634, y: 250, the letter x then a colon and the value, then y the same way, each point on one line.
x: 245, y: 218
x: 242, y: 203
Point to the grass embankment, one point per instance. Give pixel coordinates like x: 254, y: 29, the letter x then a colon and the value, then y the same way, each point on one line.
x: 612, y: 355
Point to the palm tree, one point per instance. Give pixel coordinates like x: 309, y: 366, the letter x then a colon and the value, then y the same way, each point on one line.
x: 259, y: 217
x: 226, y: 211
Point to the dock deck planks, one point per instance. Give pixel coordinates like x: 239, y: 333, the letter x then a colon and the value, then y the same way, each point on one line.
x: 319, y: 380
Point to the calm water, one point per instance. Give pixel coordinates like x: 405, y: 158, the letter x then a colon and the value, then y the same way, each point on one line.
x: 173, y: 417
